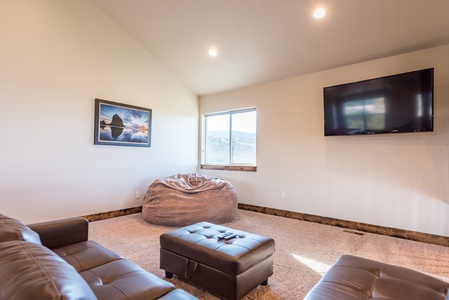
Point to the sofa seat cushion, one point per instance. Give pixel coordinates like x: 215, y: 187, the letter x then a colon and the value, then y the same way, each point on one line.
x: 86, y: 255
x: 110, y: 276
x: 32, y: 271
x: 122, y: 279
x: 14, y: 230
x: 353, y: 277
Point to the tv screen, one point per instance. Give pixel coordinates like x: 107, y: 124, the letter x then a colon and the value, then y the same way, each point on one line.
x: 393, y: 104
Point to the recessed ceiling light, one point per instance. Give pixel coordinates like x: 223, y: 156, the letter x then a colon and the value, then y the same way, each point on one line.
x: 212, y: 52
x: 319, y: 13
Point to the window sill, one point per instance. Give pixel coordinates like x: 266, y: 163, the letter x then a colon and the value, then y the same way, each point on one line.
x: 229, y: 168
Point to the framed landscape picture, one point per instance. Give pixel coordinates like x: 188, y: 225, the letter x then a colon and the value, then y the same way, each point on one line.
x: 118, y: 124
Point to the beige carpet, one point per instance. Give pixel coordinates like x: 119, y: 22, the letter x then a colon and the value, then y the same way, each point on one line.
x: 304, y: 250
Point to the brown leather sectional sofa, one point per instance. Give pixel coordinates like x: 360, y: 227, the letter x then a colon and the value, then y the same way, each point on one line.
x: 55, y: 260
x: 357, y: 278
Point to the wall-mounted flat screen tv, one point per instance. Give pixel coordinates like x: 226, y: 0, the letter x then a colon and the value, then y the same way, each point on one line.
x: 392, y: 104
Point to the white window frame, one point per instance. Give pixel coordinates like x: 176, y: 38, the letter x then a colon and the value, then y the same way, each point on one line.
x: 230, y: 166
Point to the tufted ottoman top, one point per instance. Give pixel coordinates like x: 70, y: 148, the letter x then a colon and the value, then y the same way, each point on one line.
x: 199, y: 242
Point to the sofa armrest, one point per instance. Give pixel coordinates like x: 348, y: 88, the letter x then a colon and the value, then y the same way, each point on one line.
x: 60, y: 233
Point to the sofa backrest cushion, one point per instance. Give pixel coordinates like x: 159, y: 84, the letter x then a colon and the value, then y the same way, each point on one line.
x: 14, y: 230
x: 32, y: 271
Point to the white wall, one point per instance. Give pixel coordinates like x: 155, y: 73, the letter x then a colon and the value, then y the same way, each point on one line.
x: 399, y: 181
x: 56, y: 57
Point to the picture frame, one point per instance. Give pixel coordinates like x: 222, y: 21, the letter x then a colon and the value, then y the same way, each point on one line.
x: 118, y: 124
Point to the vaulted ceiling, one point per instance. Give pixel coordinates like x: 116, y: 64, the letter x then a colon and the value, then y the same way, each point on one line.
x: 264, y: 40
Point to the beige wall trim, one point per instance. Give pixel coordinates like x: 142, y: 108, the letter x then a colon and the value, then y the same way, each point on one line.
x: 393, y: 232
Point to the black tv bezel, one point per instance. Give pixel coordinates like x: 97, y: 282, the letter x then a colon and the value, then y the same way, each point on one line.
x: 432, y: 70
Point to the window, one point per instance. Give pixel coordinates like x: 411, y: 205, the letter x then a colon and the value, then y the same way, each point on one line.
x: 230, y: 138
x: 368, y: 114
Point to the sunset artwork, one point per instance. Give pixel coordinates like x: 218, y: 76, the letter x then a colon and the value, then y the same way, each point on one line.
x: 122, y: 125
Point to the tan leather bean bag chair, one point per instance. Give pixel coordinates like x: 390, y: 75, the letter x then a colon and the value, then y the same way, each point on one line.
x: 185, y: 199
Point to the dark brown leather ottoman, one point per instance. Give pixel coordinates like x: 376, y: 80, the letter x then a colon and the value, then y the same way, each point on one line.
x: 228, y: 268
